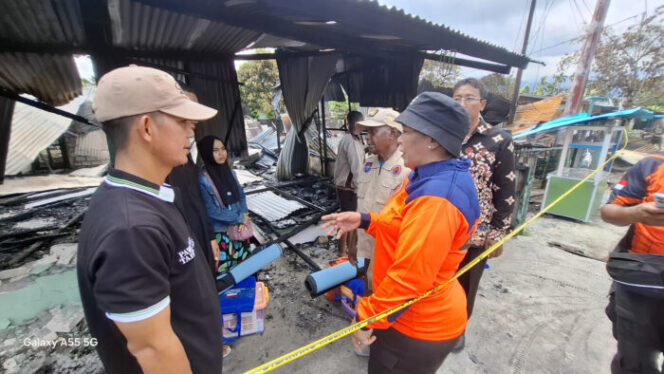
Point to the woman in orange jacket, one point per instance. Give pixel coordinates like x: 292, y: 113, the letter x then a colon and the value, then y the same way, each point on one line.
x: 421, y: 237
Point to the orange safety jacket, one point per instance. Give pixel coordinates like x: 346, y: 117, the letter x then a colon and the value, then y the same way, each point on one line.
x: 637, y: 186
x: 422, y: 235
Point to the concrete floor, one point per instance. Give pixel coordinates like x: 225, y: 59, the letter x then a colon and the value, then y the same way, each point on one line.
x: 539, y: 309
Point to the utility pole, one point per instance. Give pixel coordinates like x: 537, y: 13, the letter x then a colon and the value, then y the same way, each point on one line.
x: 587, y: 55
x: 519, y: 71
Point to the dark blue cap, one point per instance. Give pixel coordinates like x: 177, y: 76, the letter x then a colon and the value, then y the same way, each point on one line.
x: 438, y: 116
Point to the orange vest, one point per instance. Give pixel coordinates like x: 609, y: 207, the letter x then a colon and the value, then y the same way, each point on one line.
x: 419, y: 245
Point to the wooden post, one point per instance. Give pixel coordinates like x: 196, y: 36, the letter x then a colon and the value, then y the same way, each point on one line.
x: 519, y: 71
x: 587, y: 54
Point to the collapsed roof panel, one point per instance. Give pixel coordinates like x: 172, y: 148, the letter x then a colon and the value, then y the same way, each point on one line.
x: 52, y: 78
x: 271, y: 206
x: 33, y: 130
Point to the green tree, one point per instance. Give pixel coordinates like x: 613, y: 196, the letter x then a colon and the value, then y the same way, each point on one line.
x: 258, y: 78
x: 549, y: 86
x: 88, y: 82
x: 499, y: 84
x: 629, y: 67
x: 525, y: 89
x: 339, y: 109
x: 439, y: 73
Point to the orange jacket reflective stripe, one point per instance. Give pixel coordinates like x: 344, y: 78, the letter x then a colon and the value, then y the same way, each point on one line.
x: 421, y: 236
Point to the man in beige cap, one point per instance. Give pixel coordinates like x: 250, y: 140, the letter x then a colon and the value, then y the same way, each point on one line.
x: 383, y: 171
x: 148, y: 294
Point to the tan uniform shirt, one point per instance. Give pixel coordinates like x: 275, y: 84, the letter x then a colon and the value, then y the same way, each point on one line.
x: 375, y: 185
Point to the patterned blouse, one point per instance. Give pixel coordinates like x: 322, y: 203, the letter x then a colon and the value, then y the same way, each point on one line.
x: 491, y: 153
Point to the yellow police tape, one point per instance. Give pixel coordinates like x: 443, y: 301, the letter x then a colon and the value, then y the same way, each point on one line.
x: 304, y: 350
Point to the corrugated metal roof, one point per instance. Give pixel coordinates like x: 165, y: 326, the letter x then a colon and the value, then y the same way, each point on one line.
x: 529, y: 115
x: 32, y: 131
x: 93, y: 145
x: 271, y: 206
x: 211, y: 27
x: 246, y: 177
x: 42, y: 21
x: 139, y: 26
x: 51, y: 78
x: 368, y: 23
x: 266, y: 139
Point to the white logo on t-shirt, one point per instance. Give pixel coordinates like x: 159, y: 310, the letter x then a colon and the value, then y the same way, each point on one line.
x: 188, y: 253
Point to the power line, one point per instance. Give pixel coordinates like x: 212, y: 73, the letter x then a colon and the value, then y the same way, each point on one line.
x: 574, y: 15
x: 586, y: 6
x: 578, y: 9
x: 541, y: 30
x: 518, y: 33
x: 583, y: 36
x: 542, y: 24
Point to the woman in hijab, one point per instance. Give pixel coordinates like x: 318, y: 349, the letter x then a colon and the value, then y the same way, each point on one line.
x: 225, y: 203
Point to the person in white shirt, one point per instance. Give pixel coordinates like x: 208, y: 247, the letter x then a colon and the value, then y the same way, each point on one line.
x: 350, y: 156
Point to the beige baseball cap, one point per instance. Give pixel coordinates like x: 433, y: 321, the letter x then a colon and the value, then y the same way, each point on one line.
x: 381, y: 117
x: 133, y: 90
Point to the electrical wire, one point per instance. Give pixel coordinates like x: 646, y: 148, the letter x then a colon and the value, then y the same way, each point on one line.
x: 542, y: 24
x: 523, y: 20
x: 583, y: 36
x: 577, y: 17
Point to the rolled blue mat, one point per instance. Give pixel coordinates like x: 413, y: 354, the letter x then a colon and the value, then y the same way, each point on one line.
x: 255, y: 262
x: 324, y: 280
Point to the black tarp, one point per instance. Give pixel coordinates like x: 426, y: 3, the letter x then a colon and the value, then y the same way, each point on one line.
x: 6, y: 115
x: 380, y: 82
x: 223, y: 94
x: 303, y: 82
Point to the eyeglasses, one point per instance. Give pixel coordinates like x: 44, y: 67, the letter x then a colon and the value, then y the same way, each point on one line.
x: 467, y: 100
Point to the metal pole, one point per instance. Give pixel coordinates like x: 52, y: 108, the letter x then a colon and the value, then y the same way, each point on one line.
x: 324, y: 150
x: 587, y: 54
x: 320, y: 144
x: 519, y: 71
x: 278, y: 141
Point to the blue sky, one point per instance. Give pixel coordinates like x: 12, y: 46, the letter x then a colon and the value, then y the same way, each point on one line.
x: 502, y: 22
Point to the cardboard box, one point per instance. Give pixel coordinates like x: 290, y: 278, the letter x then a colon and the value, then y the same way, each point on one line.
x: 252, y: 323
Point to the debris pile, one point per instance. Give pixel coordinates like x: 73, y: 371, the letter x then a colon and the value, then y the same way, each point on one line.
x: 29, y: 223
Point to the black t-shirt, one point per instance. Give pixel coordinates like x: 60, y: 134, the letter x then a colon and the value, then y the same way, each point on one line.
x: 184, y: 180
x: 135, y: 257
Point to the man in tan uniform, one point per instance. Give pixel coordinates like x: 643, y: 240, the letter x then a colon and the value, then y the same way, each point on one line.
x: 383, y: 171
